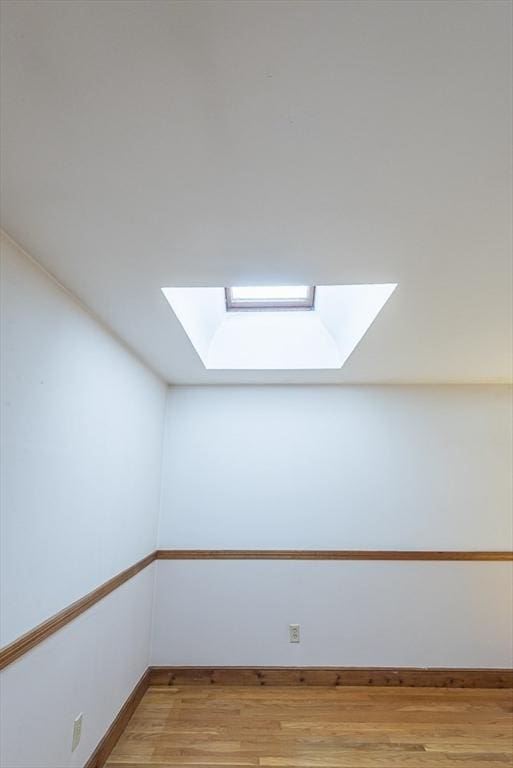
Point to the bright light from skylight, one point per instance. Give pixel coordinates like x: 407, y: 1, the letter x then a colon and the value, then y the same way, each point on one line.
x: 270, y: 297
x: 266, y: 292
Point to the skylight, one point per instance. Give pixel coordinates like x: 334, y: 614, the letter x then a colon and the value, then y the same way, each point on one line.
x: 323, y: 337
x: 270, y: 297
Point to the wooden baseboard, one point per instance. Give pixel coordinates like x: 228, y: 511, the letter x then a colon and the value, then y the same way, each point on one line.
x: 107, y: 744
x: 399, y: 676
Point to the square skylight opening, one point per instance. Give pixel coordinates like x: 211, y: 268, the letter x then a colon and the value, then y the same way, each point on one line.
x: 277, y: 340
x: 270, y: 297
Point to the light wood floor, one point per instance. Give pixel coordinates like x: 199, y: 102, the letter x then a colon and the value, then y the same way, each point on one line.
x: 312, y: 726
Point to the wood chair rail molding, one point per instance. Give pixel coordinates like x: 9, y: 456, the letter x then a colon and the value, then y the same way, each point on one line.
x: 33, y: 637
x: 330, y: 554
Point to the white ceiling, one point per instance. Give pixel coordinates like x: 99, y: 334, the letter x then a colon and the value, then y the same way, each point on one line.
x: 150, y: 144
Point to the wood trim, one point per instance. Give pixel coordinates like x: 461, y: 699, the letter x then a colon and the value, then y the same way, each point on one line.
x: 109, y: 741
x: 329, y: 554
x: 26, y: 642
x: 337, y: 676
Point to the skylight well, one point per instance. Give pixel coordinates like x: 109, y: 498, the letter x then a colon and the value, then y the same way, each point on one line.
x: 262, y: 327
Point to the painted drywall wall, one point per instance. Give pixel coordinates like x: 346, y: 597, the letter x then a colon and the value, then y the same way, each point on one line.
x: 230, y: 613
x: 336, y: 467
x: 81, y: 447
x: 89, y: 667
x: 81, y: 438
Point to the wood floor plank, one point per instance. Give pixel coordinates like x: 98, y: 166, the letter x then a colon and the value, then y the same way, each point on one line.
x: 240, y: 726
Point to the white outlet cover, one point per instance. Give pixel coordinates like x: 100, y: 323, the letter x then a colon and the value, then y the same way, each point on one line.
x: 294, y: 633
x: 77, y: 731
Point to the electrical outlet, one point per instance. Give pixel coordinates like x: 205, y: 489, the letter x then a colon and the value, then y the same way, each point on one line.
x: 293, y: 633
x: 77, y: 731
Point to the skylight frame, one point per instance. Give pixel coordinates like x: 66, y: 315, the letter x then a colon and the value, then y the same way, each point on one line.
x: 272, y: 304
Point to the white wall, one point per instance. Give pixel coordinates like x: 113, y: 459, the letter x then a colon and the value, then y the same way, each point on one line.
x: 81, y: 440
x: 89, y: 666
x: 336, y: 467
x: 398, y: 614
